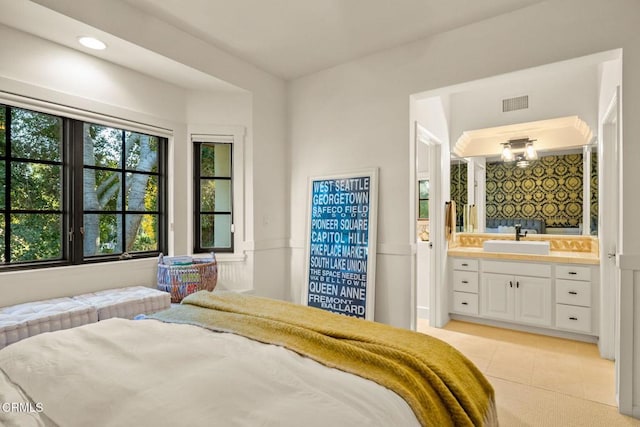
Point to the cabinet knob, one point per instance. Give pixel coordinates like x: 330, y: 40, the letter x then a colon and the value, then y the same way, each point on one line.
x: 510, y: 284
x: 573, y: 273
x: 465, y: 265
x: 517, y: 284
x: 465, y: 303
x: 465, y: 281
x: 573, y: 293
x: 573, y: 318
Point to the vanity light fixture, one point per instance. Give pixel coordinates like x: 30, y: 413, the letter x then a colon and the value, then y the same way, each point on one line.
x: 507, y: 153
x: 530, y: 152
x: 522, y: 162
x: 525, y: 145
x: 92, y: 43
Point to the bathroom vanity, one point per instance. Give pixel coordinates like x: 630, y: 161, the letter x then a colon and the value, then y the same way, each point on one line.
x: 555, y: 293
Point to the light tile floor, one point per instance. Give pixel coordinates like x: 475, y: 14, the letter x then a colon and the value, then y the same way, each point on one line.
x: 565, y: 366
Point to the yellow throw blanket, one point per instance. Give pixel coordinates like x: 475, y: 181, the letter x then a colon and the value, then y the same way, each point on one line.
x: 441, y: 385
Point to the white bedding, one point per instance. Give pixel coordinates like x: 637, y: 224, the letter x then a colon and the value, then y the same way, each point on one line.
x: 146, y: 373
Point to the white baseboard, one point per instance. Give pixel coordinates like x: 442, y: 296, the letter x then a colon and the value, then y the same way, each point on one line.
x: 525, y: 328
x: 423, y: 312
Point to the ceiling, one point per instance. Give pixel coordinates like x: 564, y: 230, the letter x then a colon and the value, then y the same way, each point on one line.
x: 292, y: 38
x: 288, y: 38
x: 40, y: 21
x: 561, y: 133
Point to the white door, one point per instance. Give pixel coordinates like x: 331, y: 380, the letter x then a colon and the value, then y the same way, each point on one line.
x: 437, y: 289
x: 608, y: 231
x: 496, y: 292
x: 533, y: 300
x: 423, y: 246
x: 616, y: 302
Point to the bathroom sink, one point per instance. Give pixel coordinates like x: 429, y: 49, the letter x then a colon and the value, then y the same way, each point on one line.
x: 517, y: 246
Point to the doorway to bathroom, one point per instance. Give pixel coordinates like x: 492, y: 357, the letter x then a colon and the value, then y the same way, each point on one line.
x: 582, y: 88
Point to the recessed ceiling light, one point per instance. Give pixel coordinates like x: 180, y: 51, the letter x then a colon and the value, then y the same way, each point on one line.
x: 92, y: 43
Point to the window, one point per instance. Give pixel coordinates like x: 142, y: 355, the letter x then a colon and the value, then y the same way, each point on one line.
x: 213, y: 196
x: 76, y: 192
x: 33, y: 196
x: 423, y: 209
x: 122, y: 201
x: 423, y: 199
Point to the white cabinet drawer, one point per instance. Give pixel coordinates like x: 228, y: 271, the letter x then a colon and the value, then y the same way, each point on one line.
x: 517, y: 268
x: 465, y: 264
x: 573, y: 292
x: 464, y: 302
x: 465, y: 281
x: 573, y: 318
x: 571, y: 272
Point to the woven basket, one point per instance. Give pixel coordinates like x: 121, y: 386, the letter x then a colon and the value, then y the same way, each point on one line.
x: 182, y: 280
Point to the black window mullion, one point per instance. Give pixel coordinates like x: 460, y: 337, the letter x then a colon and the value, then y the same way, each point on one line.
x: 75, y: 150
x: 196, y: 199
x: 7, y: 180
x: 163, y: 147
x: 123, y: 183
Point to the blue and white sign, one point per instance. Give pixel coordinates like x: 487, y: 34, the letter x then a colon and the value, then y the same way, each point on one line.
x: 341, y: 244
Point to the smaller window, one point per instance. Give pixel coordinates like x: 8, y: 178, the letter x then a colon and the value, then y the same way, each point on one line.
x: 423, y: 199
x: 213, y: 196
x: 423, y: 209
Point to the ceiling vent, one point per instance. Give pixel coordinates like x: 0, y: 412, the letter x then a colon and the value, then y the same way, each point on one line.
x: 518, y: 103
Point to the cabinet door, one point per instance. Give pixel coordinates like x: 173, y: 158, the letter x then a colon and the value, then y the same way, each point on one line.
x: 533, y: 300
x: 496, y: 292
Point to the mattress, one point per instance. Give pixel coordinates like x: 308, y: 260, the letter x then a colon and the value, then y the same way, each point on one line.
x: 21, y: 321
x: 126, y: 302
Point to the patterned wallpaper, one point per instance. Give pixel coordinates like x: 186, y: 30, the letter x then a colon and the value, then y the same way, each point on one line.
x: 549, y: 189
x: 459, y: 187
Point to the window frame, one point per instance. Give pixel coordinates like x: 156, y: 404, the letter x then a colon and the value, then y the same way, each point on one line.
x: 72, y: 165
x: 7, y: 209
x: 241, y: 196
x: 421, y: 199
x: 161, y: 211
x: 197, y: 194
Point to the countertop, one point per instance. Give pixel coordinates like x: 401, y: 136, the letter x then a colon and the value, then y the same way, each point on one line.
x: 554, y: 256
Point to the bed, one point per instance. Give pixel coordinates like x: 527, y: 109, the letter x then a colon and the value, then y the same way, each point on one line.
x: 225, y: 359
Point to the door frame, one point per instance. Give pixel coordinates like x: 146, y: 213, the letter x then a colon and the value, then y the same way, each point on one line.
x: 438, y: 313
x: 608, y: 229
x: 621, y: 290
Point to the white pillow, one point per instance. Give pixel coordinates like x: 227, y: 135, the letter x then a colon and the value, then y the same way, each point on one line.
x: 506, y: 229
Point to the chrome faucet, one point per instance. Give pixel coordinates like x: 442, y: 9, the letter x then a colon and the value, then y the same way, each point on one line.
x: 518, y: 229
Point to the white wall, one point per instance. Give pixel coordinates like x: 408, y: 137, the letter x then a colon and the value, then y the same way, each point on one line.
x: 576, y: 86
x: 356, y: 114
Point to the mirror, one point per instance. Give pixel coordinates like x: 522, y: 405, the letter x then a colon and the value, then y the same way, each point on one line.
x: 459, y: 188
x: 555, y: 194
